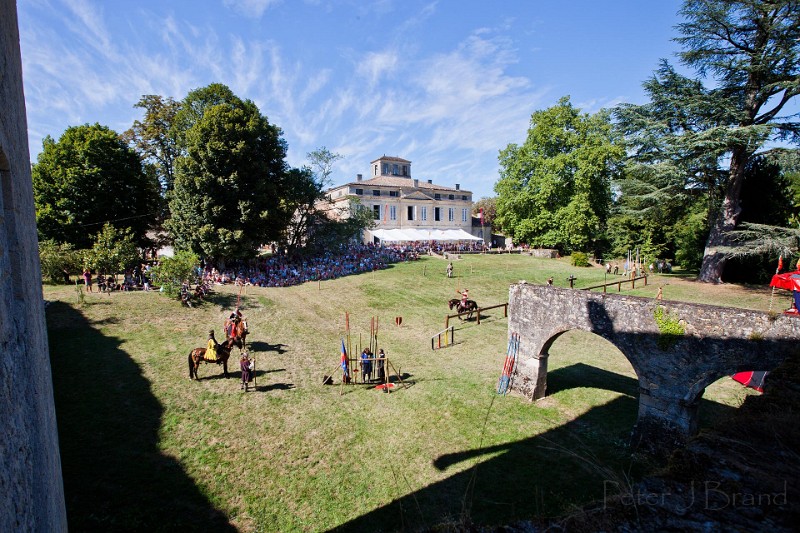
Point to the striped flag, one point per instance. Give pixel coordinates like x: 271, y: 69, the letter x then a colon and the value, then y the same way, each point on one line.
x: 345, y: 369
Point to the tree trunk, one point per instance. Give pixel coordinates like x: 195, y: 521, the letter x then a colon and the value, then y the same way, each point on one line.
x: 714, y: 257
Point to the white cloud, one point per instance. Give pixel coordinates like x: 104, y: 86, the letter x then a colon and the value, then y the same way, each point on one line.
x: 377, y: 65
x: 251, y: 8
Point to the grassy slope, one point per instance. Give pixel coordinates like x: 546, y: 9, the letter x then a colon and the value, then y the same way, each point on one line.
x: 162, y: 452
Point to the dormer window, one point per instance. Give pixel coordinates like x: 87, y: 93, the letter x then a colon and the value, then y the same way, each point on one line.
x: 392, y: 193
x: 437, y: 196
x: 376, y: 192
x: 452, y: 197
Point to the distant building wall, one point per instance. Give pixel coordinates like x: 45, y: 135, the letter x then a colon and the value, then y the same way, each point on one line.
x: 31, y: 488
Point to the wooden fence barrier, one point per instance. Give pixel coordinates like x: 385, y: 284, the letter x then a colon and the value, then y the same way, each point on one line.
x: 448, y: 317
x: 619, y: 283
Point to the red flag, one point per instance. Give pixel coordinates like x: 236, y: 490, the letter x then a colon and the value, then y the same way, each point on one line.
x: 780, y: 265
x: 481, y: 215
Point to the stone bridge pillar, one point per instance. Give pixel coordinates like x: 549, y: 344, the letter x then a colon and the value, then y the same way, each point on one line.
x: 676, y: 349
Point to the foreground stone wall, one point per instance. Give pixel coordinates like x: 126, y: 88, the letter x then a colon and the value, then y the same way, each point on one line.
x: 673, y: 370
x: 31, y: 489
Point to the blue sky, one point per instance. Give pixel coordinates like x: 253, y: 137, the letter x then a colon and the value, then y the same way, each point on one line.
x: 445, y: 84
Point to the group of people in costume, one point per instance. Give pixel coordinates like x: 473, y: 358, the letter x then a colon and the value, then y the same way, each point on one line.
x: 367, y: 358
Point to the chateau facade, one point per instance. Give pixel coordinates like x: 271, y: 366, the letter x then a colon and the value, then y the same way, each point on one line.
x: 405, y: 208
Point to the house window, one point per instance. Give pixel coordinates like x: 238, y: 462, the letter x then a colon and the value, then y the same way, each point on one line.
x: 376, y: 170
x: 394, y: 169
x: 452, y: 197
x: 393, y: 212
x: 437, y: 214
x: 385, y: 168
x: 411, y: 212
x: 359, y: 192
x: 464, y: 197
x: 424, y: 214
x: 376, y: 192
x: 451, y: 214
x: 463, y: 215
x: 405, y: 170
x: 392, y: 193
x: 376, y: 212
x: 437, y: 196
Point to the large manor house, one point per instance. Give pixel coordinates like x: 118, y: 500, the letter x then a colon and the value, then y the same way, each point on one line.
x: 406, y: 209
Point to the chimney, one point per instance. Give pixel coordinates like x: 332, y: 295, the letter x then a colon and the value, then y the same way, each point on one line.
x: 359, y: 177
x: 416, y: 183
x: 430, y: 181
x: 458, y: 187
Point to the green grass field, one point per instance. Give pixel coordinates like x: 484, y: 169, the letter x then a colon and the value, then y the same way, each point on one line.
x: 145, y: 448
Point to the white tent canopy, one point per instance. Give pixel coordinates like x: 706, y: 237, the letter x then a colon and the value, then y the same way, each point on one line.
x: 414, y: 234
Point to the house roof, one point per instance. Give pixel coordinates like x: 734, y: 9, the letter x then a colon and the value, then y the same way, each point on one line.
x: 391, y: 181
x: 391, y: 158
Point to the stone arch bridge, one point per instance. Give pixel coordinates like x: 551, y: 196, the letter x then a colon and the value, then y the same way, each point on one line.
x: 673, y: 369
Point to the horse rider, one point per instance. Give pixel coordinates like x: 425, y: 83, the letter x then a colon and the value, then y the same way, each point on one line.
x: 211, y: 349
x: 232, y: 322
x: 464, y: 297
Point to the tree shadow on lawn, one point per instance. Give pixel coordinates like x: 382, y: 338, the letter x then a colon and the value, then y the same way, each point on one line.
x: 585, y: 459
x: 115, y: 476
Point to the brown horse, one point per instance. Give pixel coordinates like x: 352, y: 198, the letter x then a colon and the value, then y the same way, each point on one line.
x: 240, y: 330
x: 198, y: 355
x: 470, y: 307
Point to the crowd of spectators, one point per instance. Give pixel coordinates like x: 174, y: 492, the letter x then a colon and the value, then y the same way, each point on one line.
x: 282, y: 270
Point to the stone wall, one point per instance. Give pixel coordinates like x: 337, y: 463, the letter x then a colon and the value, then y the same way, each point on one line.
x: 673, y: 370
x: 31, y: 489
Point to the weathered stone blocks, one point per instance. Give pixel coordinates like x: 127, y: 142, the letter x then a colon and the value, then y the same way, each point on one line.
x: 714, y: 342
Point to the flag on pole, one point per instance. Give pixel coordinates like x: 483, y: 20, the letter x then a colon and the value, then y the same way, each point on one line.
x: 345, y: 369
x: 385, y: 212
x: 480, y: 214
x: 780, y: 265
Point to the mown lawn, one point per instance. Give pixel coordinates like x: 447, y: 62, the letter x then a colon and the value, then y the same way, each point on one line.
x: 145, y: 448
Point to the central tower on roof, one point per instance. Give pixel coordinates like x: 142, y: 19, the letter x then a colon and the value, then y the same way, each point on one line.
x: 391, y: 167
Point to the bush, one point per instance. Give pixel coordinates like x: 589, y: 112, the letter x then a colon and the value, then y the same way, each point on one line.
x: 171, y: 272
x: 580, y: 259
x: 58, y: 261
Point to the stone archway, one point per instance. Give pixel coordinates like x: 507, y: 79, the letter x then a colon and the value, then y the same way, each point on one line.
x: 673, y: 370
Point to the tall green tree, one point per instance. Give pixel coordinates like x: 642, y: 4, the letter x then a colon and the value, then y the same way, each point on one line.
x: 555, y: 189
x: 113, y: 251
x: 322, y: 161
x: 87, y: 178
x: 231, y: 178
x: 310, y: 221
x: 749, y: 53
x: 153, y: 137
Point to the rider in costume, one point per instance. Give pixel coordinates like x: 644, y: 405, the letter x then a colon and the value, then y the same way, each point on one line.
x: 211, y: 349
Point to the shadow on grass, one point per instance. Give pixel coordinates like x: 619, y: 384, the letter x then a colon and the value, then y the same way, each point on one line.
x: 585, y: 459
x: 115, y: 476
x: 261, y: 346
